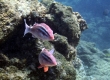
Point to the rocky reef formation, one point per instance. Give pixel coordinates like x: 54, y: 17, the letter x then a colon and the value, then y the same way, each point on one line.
x: 19, y: 55
x: 96, y: 62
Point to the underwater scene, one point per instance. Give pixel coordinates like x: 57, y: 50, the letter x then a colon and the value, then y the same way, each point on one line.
x: 54, y: 39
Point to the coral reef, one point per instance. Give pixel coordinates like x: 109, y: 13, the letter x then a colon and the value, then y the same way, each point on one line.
x: 8, y: 19
x: 64, y: 47
x: 94, y: 61
x: 19, y: 55
x: 64, y: 22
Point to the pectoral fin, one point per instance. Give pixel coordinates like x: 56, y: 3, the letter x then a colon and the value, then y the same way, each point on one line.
x: 46, y: 68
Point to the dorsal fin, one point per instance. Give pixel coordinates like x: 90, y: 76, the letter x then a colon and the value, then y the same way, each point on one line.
x: 52, y: 51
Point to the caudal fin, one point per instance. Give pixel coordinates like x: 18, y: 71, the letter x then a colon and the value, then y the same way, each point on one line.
x: 26, y: 28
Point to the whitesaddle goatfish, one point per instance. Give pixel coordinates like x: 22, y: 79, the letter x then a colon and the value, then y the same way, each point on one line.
x: 46, y: 59
x: 41, y: 31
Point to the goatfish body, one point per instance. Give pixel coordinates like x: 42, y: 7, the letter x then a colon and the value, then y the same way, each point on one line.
x: 41, y: 31
x: 46, y: 59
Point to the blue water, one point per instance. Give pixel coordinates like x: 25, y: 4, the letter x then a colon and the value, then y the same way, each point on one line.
x: 94, y: 12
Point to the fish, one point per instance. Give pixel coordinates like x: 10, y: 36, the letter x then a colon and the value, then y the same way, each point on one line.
x: 39, y: 30
x: 46, y: 59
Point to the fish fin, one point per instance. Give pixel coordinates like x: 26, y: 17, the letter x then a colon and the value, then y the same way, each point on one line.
x: 52, y: 51
x: 35, y: 23
x: 26, y: 28
x: 46, y: 68
x: 33, y: 36
x: 43, y: 49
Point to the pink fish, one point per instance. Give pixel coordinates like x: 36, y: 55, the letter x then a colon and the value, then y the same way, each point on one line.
x: 46, y: 59
x: 41, y: 31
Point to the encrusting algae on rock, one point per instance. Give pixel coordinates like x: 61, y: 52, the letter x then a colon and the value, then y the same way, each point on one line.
x: 21, y: 53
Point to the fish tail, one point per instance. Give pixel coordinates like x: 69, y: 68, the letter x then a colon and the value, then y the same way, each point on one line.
x: 27, y: 28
